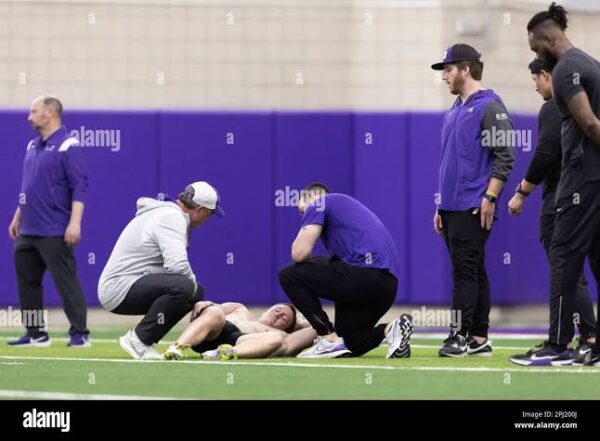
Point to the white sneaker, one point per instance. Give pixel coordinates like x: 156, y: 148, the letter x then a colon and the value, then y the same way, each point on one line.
x: 326, y: 349
x: 210, y: 355
x: 224, y: 352
x: 131, y: 344
x: 152, y: 354
x: 398, y: 337
x: 173, y: 352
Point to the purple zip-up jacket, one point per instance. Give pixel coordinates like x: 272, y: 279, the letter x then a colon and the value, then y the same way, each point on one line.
x: 468, y: 162
x: 54, y: 175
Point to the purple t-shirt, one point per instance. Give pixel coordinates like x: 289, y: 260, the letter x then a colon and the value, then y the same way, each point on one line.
x: 353, y: 233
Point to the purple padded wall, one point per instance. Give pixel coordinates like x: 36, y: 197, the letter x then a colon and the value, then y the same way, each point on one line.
x: 309, y: 147
x: 381, y: 179
x: 253, y: 157
x: 231, y: 257
x: 428, y: 261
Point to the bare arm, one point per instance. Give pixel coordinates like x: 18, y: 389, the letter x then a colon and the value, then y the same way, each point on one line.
x: 487, y: 208
x: 227, y: 308
x: 295, y: 342
x: 579, y: 106
x: 15, y: 224
x: 230, y: 307
x: 305, y: 242
x: 73, y: 231
x: 515, y: 205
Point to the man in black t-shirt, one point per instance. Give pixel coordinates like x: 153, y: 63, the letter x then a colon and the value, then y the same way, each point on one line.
x: 576, y: 87
x: 545, y: 168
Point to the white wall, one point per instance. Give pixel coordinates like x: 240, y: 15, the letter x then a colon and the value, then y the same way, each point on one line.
x: 262, y: 54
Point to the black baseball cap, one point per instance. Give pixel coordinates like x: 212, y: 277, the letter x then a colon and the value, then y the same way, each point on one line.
x: 455, y: 53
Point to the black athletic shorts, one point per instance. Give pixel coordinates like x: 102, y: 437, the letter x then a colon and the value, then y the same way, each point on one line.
x: 229, y: 335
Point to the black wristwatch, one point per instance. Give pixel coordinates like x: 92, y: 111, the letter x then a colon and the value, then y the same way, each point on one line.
x: 521, y: 191
x: 490, y: 198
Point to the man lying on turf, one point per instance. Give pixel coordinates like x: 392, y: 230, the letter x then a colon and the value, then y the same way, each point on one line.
x: 230, y: 330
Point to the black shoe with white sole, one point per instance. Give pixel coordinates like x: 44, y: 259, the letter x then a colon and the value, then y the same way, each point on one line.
x: 475, y: 349
x: 592, y: 359
x: 581, y: 351
x: 544, y: 355
x: 454, y: 346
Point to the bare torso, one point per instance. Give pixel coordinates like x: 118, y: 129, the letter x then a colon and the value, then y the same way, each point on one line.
x: 247, y: 323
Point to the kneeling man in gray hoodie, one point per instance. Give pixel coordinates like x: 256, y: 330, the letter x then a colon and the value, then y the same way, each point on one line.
x: 148, y: 271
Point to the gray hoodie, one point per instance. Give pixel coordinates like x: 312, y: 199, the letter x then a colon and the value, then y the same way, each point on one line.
x: 155, y: 241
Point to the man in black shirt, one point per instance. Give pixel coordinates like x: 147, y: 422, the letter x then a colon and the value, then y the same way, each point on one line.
x: 576, y: 88
x: 545, y: 167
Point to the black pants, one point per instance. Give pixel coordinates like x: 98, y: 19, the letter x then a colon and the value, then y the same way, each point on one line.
x: 465, y: 240
x: 361, y: 295
x: 576, y: 235
x: 33, y: 256
x: 586, y: 320
x: 164, y: 299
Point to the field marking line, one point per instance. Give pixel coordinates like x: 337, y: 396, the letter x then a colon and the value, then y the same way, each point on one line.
x: 44, y: 395
x: 548, y: 369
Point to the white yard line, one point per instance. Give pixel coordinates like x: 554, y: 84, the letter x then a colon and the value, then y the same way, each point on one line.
x: 416, y: 335
x: 570, y: 370
x: 512, y: 348
x: 43, y: 395
x: 92, y: 340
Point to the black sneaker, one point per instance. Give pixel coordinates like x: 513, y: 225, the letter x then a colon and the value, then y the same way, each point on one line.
x: 42, y: 340
x: 543, y: 355
x: 592, y: 359
x: 475, y: 349
x: 581, y: 351
x: 454, y: 346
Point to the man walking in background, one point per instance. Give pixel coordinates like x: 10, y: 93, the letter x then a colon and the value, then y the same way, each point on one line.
x: 360, y: 277
x: 148, y: 271
x: 47, y: 223
x: 545, y: 167
x: 576, y: 88
x: 473, y: 169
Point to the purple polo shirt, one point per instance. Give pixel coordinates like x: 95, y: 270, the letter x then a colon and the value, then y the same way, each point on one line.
x: 54, y: 175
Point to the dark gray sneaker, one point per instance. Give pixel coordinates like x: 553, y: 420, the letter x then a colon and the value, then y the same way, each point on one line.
x: 543, y: 355
x: 592, y: 359
x: 454, y: 346
x: 475, y: 349
x: 581, y: 351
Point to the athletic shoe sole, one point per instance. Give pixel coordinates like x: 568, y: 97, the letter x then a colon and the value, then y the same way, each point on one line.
x: 443, y: 354
x: 87, y: 344
x: 44, y: 344
x: 126, y: 346
x: 406, y: 330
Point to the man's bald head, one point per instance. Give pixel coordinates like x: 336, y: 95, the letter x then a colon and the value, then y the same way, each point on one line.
x: 45, y: 115
x: 51, y: 103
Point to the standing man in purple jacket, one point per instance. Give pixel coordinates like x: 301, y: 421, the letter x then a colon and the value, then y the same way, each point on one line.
x: 477, y: 157
x: 47, y: 223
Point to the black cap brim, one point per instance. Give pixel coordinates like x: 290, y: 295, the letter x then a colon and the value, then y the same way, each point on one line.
x: 440, y: 66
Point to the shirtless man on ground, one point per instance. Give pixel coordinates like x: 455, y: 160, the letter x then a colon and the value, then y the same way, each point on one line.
x: 230, y: 330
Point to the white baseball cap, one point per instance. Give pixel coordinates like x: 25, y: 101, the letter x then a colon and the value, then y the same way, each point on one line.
x: 204, y: 194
